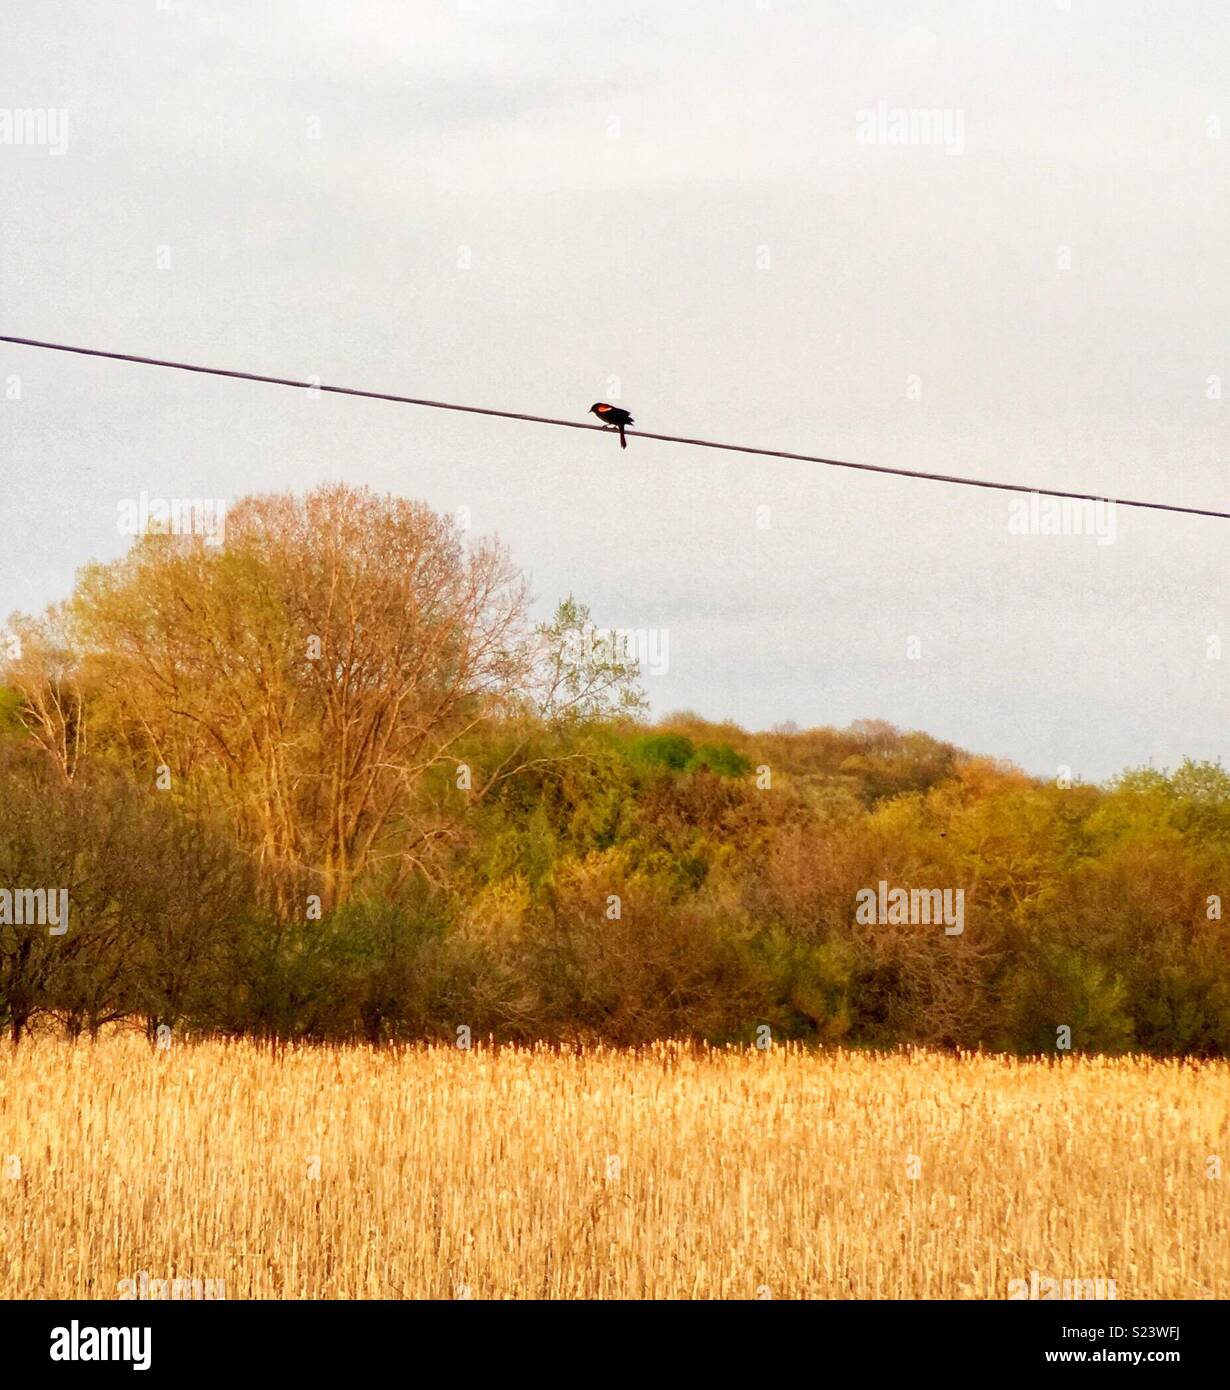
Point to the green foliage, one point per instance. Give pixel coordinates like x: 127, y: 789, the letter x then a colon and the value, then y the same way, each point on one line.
x: 722, y: 759
x: 10, y: 703
x: 677, y: 753
x: 1060, y: 987
x: 605, y: 880
x: 672, y: 751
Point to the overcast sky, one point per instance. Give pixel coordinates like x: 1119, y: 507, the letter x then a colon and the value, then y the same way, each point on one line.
x: 677, y: 207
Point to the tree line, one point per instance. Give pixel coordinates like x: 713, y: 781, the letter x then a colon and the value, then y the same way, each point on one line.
x: 327, y: 781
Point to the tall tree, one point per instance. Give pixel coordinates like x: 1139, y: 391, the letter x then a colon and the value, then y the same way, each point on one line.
x: 310, y: 670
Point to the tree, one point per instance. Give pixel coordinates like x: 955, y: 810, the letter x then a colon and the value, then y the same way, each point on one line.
x: 310, y: 671
x: 47, y: 701
x: 582, y: 672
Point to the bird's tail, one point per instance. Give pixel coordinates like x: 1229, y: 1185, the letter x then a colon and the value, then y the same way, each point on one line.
x: 623, y: 443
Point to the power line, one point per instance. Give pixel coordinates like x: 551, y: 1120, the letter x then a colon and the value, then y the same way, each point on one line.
x: 582, y: 425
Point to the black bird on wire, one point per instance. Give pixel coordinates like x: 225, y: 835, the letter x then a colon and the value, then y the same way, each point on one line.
x: 613, y: 418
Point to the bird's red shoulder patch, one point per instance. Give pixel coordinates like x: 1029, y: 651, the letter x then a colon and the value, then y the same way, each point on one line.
x: 602, y: 409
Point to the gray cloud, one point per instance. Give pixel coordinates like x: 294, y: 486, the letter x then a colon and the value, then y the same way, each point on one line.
x: 672, y: 195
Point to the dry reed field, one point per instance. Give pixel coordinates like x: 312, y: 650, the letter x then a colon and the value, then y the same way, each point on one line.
x: 670, y: 1172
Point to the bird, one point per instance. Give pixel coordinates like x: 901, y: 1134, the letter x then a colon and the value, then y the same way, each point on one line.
x: 612, y: 416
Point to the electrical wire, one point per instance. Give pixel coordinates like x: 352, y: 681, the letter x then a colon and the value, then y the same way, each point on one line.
x: 583, y: 425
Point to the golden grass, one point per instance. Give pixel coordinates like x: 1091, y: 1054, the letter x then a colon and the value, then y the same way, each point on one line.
x: 664, y: 1173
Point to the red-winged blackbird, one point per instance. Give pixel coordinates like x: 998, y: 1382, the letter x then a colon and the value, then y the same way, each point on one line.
x: 613, y: 415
